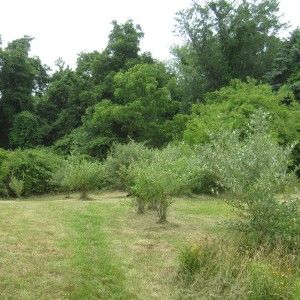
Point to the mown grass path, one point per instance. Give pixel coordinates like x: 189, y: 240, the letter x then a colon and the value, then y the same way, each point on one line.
x: 57, y: 249
x: 96, y: 272
x: 53, y: 248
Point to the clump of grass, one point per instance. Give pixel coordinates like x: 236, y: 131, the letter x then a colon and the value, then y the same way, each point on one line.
x: 235, y: 269
x: 211, y: 270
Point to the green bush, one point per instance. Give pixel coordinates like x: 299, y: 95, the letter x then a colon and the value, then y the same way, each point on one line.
x: 81, y: 175
x: 158, y: 181
x: 121, y: 156
x: 33, y: 166
x: 60, y: 178
x: 17, y: 186
x: 253, y: 170
x: 233, y: 106
x: 80, y: 142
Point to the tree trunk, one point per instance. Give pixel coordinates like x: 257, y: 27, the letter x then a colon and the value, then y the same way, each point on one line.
x: 140, y: 206
x: 83, y: 195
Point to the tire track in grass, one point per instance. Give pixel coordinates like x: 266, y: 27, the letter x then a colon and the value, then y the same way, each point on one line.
x: 97, y: 274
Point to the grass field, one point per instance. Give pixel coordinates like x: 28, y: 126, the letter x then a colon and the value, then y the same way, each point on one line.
x: 57, y: 248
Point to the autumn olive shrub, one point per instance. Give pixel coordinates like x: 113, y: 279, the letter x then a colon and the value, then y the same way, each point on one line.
x: 253, y: 170
x: 158, y: 181
x: 116, y: 172
x: 78, y: 174
x: 62, y: 179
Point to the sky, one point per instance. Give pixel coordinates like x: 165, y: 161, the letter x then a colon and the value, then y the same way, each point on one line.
x: 64, y: 28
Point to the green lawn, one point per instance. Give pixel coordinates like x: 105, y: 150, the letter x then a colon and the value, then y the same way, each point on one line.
x: 57, y: 248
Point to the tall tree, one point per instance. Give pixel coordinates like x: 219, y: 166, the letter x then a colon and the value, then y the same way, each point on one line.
x: 143, y: 109
x: 70, y: 92
x: 64, y: 103
x: 124, y: 43
x: 226, y: 39
x: 21, y: 77
x: 143, y: 106
x: 286, y: 67
x: 98, y: 69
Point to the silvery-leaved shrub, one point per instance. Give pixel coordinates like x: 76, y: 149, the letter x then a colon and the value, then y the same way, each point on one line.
x: 79, y: 174
x: 158, y: 181
x: 253, y: 168
x: 115, y: 168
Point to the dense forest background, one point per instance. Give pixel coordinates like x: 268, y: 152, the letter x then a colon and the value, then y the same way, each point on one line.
x: 232, y: 64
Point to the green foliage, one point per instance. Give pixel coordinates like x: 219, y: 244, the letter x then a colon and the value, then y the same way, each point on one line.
x: 123, y: 43
x: 17, y: 186
x: 143, y: 108
x: 86, y: 143
x: 81, y: 175
x: 25, y: 131
x: 21, y: 79
x: 142, y: 82
x: 225, y: 40
x: 253, y: 170
x: 286, y: 67
x: 97, y: 70
x: 71, y: 93
x: 119, y: 159
x: 64, y: 103
x: 158, y: 181
x: 189, y: 261
x: 230, y: 269
x: 33, y: 166
x: 3, y: 188
x: 60, y: 178
x: 232, y: 108
x: 266, y: 283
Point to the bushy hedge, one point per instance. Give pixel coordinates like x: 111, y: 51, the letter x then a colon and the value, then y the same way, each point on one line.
x: 33, y: 166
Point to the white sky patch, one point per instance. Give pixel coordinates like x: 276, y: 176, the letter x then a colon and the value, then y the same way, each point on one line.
x: 64, y: 28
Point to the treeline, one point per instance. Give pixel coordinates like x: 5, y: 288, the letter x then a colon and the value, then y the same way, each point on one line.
x: 233, y: 63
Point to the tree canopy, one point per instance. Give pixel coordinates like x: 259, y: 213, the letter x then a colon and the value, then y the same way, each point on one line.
x: 21, y: 78
x: 286, y: 66
x: 225, y: 40
x: 121, y: 94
